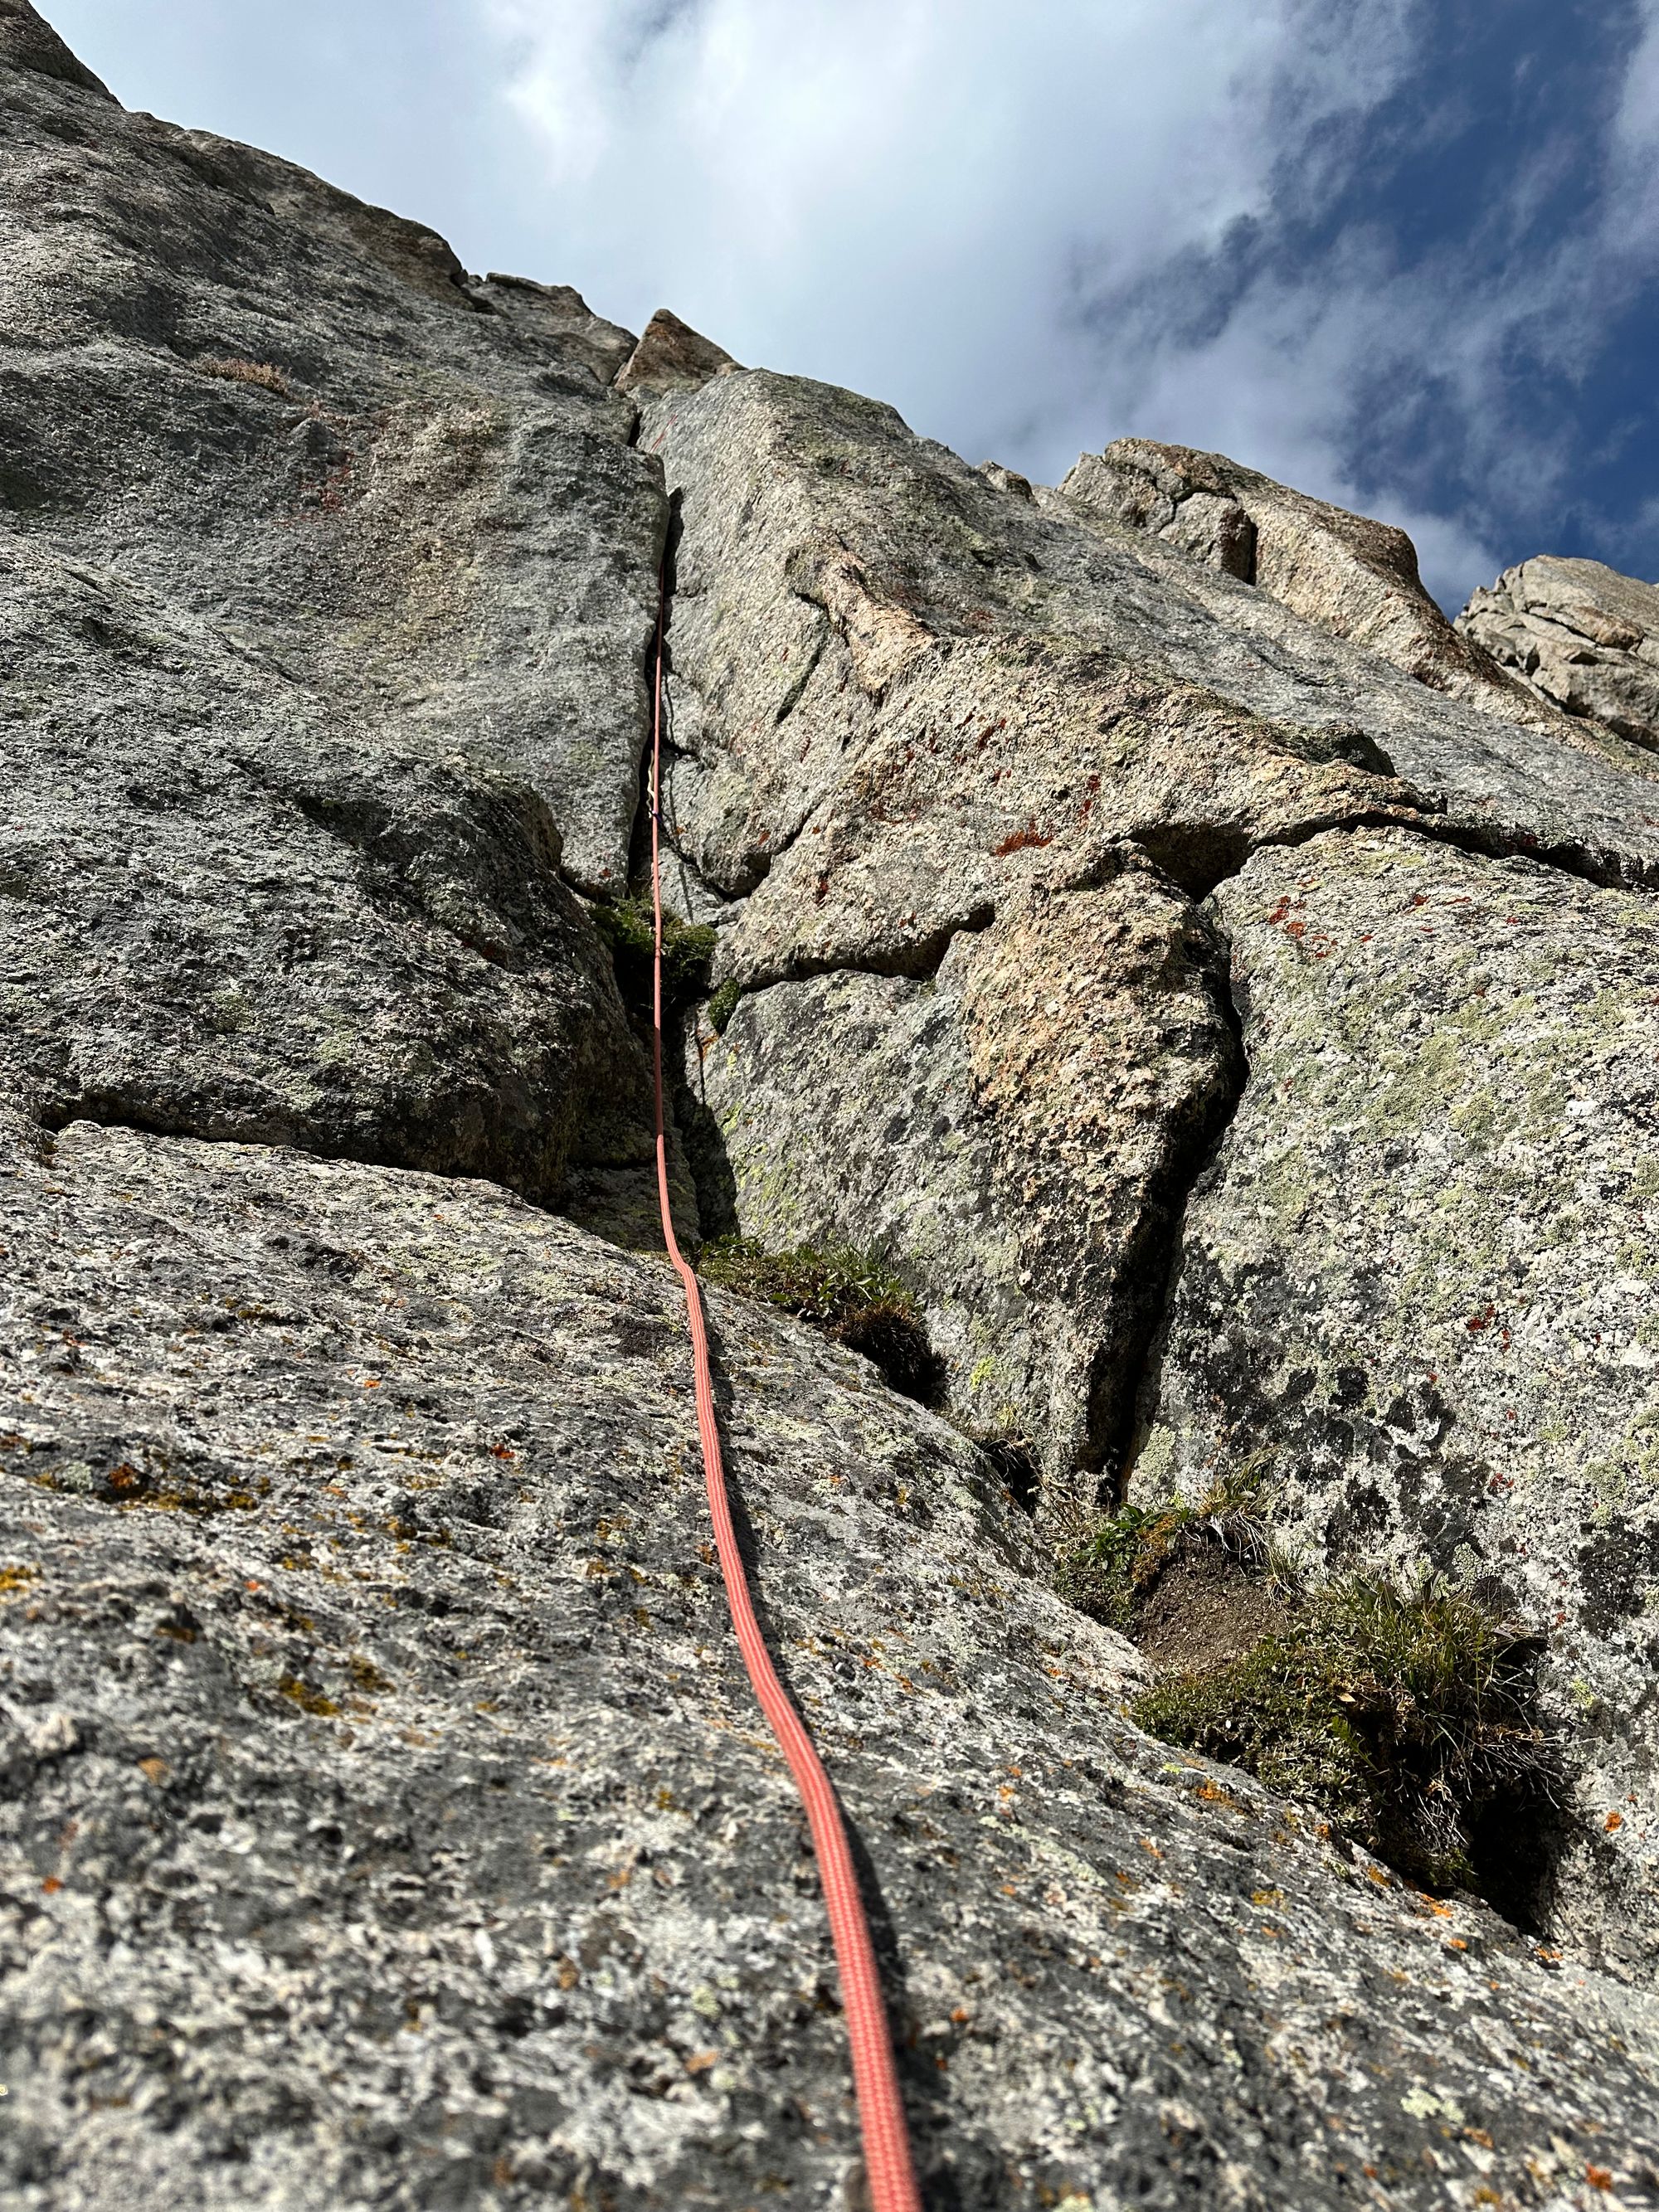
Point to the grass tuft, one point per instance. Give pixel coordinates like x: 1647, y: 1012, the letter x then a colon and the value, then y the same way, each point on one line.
x: 236, y: 371
x: 851, y: 1296
x: 1107, y: 1573
x: 1403, y: 1712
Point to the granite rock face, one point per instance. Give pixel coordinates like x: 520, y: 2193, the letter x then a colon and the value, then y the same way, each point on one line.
x: 218, y: 921
x: 1581, y: 637
x: 325, y: 583
x: 1186, y: 498
x: 1021, y: 1127
x: 1418, y: 1285
x: 1345, y: 573
x: 912, y: 706
x: 864, y: 626
x: 389, y: 1822
x: 295, y: 417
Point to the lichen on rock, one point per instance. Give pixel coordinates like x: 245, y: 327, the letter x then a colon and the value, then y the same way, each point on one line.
x: 1420, y: 1275
x: 1231, y: 1058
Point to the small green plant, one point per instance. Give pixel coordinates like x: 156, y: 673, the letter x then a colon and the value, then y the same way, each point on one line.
x: 236, y: 371
x: 723, y: 1005
x: 1110, y: 1569
x: 851, y: 1296
x: 1103, y: 1572
x: 1403, y: 1712
x: 629, y: 929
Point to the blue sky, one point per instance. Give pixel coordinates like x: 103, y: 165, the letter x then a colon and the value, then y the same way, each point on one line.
x: 1402, y: 253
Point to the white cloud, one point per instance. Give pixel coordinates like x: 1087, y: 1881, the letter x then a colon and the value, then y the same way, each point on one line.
x: 1311, y: 381
x: 995, y: 217
x: 1019, y: 223
x: 916, y: 198
x: 1330, y: 375
x: 1636, y: 125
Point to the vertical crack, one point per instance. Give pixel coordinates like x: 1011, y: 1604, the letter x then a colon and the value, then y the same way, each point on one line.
x: 1123, y: 1392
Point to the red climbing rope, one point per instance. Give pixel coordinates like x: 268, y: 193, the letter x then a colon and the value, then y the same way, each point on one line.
x: 892, y: 2187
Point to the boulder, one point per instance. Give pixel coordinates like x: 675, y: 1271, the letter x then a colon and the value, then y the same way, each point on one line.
x: 1578, y: 634
x: 670, y: 356
x: 1186, y: 498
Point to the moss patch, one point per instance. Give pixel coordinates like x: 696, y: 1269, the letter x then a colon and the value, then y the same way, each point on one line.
x: 723, y: 1005
x: 850, y: 1295
x: 629, y: 929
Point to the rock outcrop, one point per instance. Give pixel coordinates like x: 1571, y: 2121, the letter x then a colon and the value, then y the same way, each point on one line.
x: 1417, y: 1284
x: 1578, y: 634
x: 326, y: 593
x: 406, y: 497
x: 919, y: 717
x: 1242, y: 1051
x: 1345, y: 573
x: 670, y: 356
x: 1017, y: 1129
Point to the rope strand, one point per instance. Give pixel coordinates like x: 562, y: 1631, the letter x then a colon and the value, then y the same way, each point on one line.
x: 888, y: 2170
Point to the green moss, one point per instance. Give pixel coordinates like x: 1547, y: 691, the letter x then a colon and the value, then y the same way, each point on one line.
x: 723, y: 1005
x: 629, y: 929
x: 850, y: 1295
x: 1404, y: 1713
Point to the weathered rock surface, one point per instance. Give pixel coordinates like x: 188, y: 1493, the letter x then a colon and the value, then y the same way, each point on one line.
x: 390, y: 1822
x: 910, y: 705
x: 864, y: 626
x: 1580, y: 635
x: 216, y: 920
x: 1345, y: 573
x: 670, y: 356
x: 1418, y: 1285
x: 1186, y: 498
x: 324, y: 586
x: 1045, y: 1098
x: 423, y: 508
